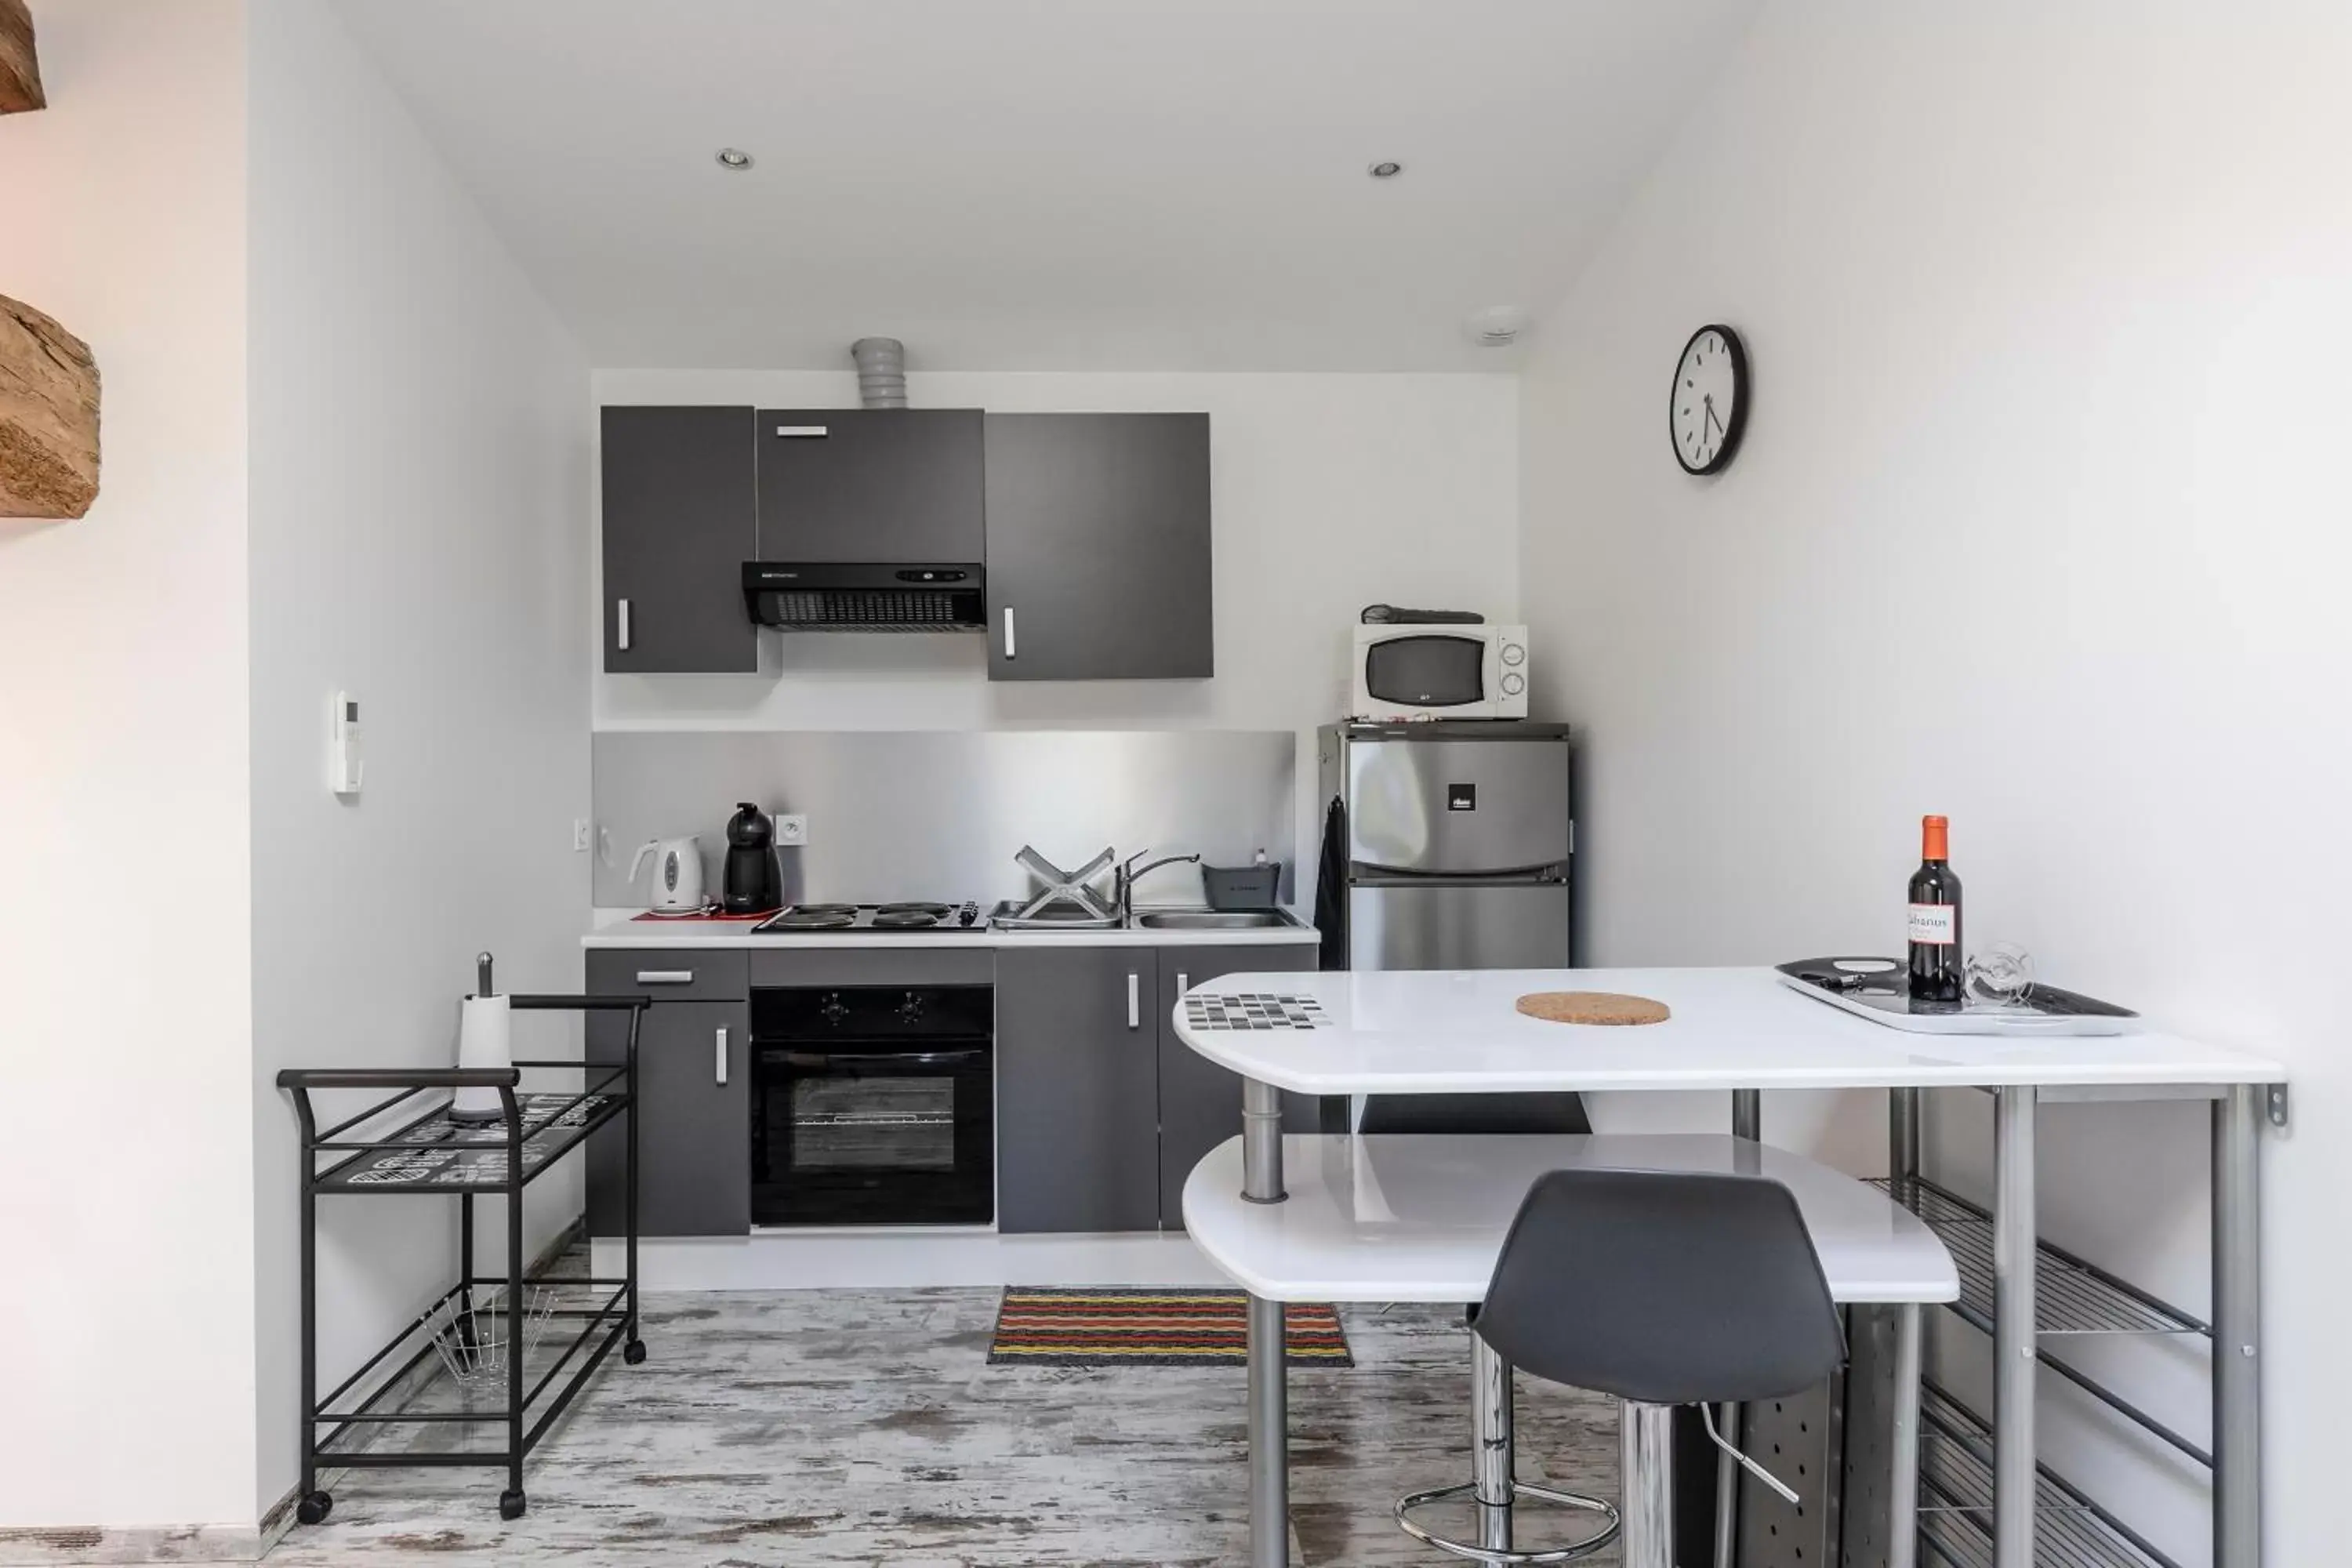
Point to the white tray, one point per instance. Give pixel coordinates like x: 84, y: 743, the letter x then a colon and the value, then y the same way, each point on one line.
x: 2048, y: 1010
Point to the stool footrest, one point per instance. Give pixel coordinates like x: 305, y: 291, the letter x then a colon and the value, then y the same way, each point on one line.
x: 1503, y: 1557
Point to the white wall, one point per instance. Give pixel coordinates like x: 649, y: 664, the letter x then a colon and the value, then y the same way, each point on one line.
x: 418, y: 486
x: 1330, y: 492
x: 2040, y: 524
x: 125, y: 1156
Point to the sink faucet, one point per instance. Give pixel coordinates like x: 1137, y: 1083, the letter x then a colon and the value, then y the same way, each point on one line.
x: 1123, y: 879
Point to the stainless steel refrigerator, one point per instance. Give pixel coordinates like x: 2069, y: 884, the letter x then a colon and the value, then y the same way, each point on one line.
x: 1446, y: 845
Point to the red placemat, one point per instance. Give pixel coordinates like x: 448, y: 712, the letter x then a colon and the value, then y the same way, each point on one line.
x: 694, y: 920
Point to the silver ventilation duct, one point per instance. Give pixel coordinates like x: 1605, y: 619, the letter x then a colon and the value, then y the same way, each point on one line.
x: 881, y: 372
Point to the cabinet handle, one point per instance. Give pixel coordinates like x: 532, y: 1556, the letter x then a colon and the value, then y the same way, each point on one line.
x: 1183, y: 984
x: 1134, y: 1000
x: 1009, y: 652
x: 801, y: 432
x: 624, y: 625
x: 665, y: 976
x: 721, y: 1075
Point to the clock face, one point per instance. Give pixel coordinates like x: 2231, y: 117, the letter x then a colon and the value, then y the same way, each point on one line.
x: 1710, y: 406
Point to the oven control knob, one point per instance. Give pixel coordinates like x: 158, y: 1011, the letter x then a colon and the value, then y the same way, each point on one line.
x: 1514, y: 683
x: 834, y: 1009
x: 1514, y: 654
x: 911, y: 1010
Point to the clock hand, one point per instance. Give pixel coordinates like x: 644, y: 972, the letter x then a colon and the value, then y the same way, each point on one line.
x: 1711, y: 419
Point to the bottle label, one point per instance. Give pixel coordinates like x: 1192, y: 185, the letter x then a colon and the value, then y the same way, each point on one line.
x: 1931, y: 924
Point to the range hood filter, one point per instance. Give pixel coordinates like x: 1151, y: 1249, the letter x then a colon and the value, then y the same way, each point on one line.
x: 827, y: 597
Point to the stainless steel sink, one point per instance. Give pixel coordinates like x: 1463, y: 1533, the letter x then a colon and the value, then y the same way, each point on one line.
x: 1213, y: 920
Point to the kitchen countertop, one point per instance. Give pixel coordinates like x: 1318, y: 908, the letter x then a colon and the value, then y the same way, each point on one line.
x: 619, y: 928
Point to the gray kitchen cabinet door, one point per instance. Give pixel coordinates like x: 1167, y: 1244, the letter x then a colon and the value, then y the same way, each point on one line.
x: 694, y: 1131
x: 681, y: 516
x: 1076, y: 1089
x: 1201, y: 1103
x: 897, y: 485
x: 1098, y: 562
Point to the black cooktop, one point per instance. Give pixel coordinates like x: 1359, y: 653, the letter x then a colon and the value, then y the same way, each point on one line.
x: 874, y: 920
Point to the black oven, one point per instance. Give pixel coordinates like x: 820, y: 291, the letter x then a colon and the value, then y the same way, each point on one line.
x: 873, y: 1105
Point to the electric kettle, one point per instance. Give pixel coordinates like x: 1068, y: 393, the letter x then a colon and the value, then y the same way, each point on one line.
x: 678, y: 874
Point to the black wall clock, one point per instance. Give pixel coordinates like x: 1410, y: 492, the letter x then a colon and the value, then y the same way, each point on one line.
x: 1710, y: 406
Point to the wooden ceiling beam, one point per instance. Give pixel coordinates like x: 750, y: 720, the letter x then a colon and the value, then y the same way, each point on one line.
x: 20, y: 71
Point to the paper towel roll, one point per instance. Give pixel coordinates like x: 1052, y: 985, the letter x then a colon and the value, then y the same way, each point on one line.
x: 483, y: 1041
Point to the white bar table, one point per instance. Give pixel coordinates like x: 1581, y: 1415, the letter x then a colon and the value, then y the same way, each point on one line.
x: 1742, y: 1029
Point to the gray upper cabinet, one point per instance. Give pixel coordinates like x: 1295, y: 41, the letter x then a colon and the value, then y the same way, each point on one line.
x: 1076, y: 1089
x: 694, y: 1094
x: 1098, y: 564
x: 680, y: 512
x: 1201, y: 1103
x: 900, y: 485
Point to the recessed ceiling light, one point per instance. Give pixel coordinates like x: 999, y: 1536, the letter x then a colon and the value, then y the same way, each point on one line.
x: 1386, y: 170
x: 734, y: 158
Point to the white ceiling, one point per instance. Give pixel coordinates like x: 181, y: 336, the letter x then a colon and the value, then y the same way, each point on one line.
x: 1049, y: 184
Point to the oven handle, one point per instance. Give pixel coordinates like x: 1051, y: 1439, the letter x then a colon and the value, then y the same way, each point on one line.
x: 880, y: 1059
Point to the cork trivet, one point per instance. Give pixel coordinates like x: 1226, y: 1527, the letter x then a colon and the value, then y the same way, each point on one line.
x: 1592, y: 1008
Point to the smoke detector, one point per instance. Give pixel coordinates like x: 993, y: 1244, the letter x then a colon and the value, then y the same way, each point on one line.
x: 1497, y: 326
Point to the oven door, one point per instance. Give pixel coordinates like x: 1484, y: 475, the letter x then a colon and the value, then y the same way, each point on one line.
x: 873, y: 1132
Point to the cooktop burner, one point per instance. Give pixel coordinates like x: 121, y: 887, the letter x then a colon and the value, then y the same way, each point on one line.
x: 852, y: 919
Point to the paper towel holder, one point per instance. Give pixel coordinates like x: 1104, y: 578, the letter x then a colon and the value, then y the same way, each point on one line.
x: 483, y: 1041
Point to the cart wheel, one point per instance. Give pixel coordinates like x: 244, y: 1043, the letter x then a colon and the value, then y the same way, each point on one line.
x: 314, y: 1508
x: 634, y: 1351
x: 511, y: 1505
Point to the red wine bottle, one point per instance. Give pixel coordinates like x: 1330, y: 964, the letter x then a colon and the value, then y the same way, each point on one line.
x: 1936, y: 965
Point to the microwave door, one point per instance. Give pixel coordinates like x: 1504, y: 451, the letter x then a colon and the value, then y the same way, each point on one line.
x: 1426, y: 671
x: 1457, y: 808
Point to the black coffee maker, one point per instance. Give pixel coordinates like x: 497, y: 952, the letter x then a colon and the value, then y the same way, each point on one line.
x: 754, y: 882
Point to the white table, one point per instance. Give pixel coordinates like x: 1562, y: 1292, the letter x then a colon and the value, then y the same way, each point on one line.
x: 1414, y: 1218
x: 1443, y: 1031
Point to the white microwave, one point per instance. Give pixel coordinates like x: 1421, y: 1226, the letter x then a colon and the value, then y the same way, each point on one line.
x: 1440, y: 670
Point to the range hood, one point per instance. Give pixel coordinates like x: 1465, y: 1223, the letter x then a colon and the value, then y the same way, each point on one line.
x: 858, y: 596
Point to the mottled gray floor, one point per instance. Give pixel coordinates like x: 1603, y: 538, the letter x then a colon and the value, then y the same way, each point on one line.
x: 866, y: 1427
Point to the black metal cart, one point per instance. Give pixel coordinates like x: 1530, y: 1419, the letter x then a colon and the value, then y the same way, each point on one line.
x: 430, y: 1152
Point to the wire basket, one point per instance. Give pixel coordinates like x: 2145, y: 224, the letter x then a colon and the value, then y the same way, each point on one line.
x: 475, y: 1339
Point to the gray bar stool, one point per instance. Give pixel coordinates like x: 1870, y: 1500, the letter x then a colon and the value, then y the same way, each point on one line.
x: 1659, y: 1288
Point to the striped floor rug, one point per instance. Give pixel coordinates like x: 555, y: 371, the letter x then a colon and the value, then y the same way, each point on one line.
x: 1126, y: 1327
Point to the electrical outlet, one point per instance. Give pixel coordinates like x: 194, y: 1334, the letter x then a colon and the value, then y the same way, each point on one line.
x: 792, y: 829
x: 580, y: 836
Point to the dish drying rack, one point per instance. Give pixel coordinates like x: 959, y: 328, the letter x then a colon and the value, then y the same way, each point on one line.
x: 484, y: 1332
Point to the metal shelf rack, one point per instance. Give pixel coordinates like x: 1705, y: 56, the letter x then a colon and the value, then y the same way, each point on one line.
x: 1956, y: 1501
x: 430, y: 1152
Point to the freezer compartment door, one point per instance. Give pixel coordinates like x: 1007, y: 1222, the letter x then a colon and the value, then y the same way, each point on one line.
x: 1441, y: 926
x: 1457, y: 807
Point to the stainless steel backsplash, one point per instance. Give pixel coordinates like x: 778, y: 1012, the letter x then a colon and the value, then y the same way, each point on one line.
x: 938, y: 813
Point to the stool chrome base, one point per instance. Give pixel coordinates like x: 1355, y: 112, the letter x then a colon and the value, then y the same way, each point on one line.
x: 1501, y: 1555
x: 1492, y: 1488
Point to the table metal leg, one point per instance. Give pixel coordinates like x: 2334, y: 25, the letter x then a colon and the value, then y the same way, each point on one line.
x: 1269, y: 1392
x: 1747, y: 1121
x: 2237, y: 1327
x: 1902, y: 1143
x: 2014, y: 1340
x: 1903, y: 1443
x: 1645, y: 1452
x: 1262, y: 1142
x: 1491, y: 1455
